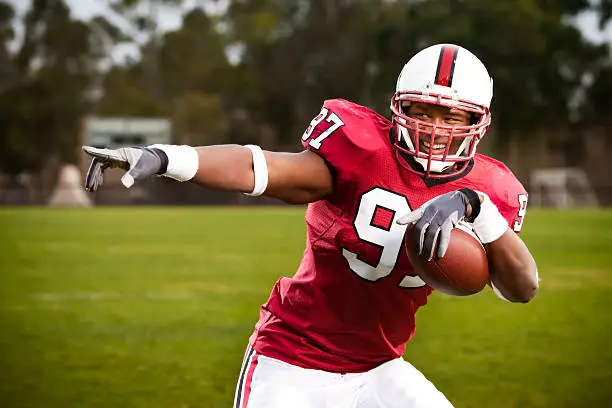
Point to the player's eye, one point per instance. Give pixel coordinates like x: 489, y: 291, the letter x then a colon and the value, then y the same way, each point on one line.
x: 453, y: 120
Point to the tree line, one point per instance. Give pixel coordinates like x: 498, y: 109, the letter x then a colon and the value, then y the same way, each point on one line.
x: 259, y: 70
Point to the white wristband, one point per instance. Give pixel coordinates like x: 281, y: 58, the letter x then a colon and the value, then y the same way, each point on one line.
x: 183, y: 161
x: 490, y: 224
x: 260, y: 170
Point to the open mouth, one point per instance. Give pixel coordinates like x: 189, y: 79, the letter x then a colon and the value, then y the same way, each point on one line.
x: 438, y: 148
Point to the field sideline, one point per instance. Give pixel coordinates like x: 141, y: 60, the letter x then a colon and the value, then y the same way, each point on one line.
x: 152, y: 307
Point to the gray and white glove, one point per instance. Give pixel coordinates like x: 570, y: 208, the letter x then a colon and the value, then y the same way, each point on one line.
x: 435, y: 220
x: 138, y: 162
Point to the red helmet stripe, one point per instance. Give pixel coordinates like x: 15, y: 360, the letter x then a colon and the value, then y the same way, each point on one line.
x: 446, y: 66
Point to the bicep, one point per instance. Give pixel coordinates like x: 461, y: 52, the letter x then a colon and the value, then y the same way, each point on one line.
x: 298, y: 178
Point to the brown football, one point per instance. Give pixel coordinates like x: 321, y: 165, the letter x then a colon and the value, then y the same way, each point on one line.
x: 464, y: 269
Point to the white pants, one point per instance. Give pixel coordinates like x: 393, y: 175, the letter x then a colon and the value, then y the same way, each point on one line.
x: 269, y: 383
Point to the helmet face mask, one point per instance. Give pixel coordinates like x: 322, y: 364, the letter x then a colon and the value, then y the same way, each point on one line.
x: 441, y: 150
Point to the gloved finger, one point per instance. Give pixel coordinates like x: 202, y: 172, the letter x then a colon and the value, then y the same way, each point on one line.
x: 444, y: 238
x: 423, y: 228
x: 112, y: 155
x: 127, y: 180
x: 145, y: 165
x: 445, y: 234
x: 431, y: 238
x: 418, y: 234
x: 90, y: 174
x: 99, y: 179
x: 422, y: 225
x: 411, y: 217
x: 94, y: 177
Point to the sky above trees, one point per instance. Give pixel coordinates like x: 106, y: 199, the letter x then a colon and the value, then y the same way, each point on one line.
x: 170, y: 18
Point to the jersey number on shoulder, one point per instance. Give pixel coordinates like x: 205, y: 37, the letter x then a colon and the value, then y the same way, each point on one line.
x: 332, y: 118
x: 518, y: 224
x: 388, y: 237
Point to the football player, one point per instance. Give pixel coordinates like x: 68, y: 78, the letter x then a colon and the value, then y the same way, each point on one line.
x: 334, y: 334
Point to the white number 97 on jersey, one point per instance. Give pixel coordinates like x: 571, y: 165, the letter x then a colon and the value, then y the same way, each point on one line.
x: 334, y: 121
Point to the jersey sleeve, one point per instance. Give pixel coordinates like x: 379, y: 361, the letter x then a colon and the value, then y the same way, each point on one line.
x: 343, y: 134
x: 510, y: 197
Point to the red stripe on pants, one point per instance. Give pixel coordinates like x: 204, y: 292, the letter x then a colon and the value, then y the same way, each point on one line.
x: 249, y: 378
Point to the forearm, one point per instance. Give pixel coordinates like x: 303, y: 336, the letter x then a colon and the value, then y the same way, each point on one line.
x: 225, y: 167
x: 294, y: 178
x: 512, y: 268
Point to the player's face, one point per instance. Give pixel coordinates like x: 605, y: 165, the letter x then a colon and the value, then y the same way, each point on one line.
x: 428, y: 115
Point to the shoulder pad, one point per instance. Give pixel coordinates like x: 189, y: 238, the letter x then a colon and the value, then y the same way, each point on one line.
x: 505, y: 191
x: 345, y: 133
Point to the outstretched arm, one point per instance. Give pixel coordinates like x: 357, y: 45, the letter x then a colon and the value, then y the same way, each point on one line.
x: 295, y: 178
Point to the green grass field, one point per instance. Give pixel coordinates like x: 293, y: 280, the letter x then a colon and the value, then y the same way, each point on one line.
x: 152, y: 307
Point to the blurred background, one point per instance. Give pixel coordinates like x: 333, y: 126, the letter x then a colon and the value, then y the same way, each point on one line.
x: 133, y: 72
x: 146, y: 297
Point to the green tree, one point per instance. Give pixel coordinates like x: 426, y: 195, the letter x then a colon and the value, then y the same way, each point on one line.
x: 124, y: 94
x: 56, y: 68
x: 298, y: 53
x: 6, y: 35
x: 143, y: 17
x: 191, y: 74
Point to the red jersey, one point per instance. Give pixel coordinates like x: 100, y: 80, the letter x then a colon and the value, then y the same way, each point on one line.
x: 351, y: 304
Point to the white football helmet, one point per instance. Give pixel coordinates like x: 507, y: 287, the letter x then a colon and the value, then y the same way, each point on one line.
x: 447, y: 75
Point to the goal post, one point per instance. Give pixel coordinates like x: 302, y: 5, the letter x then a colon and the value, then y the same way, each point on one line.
x: 561, y: 187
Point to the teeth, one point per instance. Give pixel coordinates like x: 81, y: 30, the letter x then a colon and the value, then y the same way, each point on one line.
x: 436, y: 146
